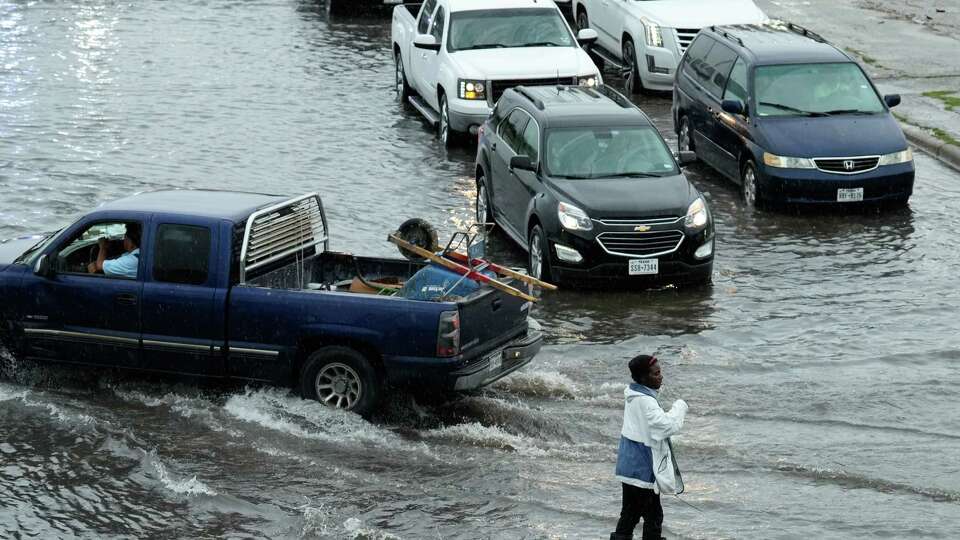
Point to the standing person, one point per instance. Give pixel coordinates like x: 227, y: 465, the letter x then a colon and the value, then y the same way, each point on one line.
x: 645, y: 462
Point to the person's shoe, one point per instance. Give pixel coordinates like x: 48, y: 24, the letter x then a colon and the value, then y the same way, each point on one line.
x: 615, y: 536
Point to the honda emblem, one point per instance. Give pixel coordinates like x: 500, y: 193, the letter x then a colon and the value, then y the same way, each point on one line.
x: 848, y: 164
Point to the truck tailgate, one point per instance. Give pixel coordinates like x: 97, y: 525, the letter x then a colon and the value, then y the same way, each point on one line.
x: 490, y: 318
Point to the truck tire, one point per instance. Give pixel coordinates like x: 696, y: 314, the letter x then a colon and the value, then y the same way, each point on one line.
x: 342, y: 378
x: 444, y: 133
x: 629, y: 53
x: 538, y: 255
x: 403, y: 89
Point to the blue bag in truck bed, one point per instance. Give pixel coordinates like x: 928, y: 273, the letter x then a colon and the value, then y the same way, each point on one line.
x: 434, y: 281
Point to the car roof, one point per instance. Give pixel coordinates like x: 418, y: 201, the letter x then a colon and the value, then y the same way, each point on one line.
x: 569, y: 105
x: 475, y: 5
x: 230, y: 205
x: 779, y: 42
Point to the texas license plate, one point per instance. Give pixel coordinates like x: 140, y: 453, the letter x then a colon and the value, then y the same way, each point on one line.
x: 644, y: 267
x: 850, y: 194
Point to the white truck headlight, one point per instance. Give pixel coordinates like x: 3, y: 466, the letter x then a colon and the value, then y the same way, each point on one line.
x: 651, y: 33
x: 590, y: 81
x: 697, y: 216
x: 573, y: 218
x: 472, y: 89
x: 903, y: 156
x: 783, y: 162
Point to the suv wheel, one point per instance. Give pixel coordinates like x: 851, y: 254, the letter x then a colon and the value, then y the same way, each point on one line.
x: 582, y: 20
x: 749, y: 186
x: 538, y: 255
x: 634, y: 84
x: 342, y: 378
x: 484, y: 208
x: 403, y: 89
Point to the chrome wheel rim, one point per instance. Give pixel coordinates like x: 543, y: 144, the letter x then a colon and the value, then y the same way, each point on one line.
x: 338, y: 386
x: 750, y: 187
x: 400, y: 78
x: 444, y: 123
x: 482, y: 203
x: 683, y: 142
x: 629, y: 57
x: 536, y: 256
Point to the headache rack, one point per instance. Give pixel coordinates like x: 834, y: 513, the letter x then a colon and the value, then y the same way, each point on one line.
x: 296, y: 226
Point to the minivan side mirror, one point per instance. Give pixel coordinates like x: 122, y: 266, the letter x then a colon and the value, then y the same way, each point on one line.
x: 587, y: 36
x: 426, y: 42
x: 523, y: 163
x: 892, y: 100
x: 686, y: 157
x: 43, y: 267
x: 733, y: 106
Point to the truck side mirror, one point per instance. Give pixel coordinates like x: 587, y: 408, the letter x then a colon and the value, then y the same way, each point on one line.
x: 523, y: 163
x: 426, y: 42
x: 892, y: 100
x: 587, y: 36
x: 43, y: 267
x: 733, y: 106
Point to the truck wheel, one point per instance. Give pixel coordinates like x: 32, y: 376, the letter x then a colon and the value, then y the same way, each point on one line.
x: 749, y: 185
x: 583, y: 21
x: 538, y: 255
x: 634, y: 83
x: 484, y: 207
x: 342, y: 378
x: 445, y: 134
x: 403, y: 89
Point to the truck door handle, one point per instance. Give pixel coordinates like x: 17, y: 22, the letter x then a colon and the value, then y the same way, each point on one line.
x: 125, y: 299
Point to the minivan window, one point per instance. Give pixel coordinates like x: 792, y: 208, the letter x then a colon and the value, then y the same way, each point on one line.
x: 424, y: 25
x: 737, y: 83
x: 695, y: 65
x: 500, y: 28
x: 720, y: 61
x: 814, y: 90
x: 601, y: 152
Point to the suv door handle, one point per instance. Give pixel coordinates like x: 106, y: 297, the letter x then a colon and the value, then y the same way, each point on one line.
x: 125, y: 299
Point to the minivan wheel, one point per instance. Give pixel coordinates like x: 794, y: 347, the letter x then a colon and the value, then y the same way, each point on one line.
x: 634, y: 84
x: 403, y: 89
x: 484, y: 209
x: 538, y: 255
x: 684, y: 137
x: 749, y: 185
x: 342, y: 378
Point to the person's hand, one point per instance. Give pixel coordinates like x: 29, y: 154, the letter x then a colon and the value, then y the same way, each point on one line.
x: 92, y: 268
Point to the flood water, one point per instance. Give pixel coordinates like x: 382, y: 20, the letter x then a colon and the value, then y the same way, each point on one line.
x: 821, y: 367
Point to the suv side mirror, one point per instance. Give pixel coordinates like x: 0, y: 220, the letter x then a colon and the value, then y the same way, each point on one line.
x: 686, y: 157
x: 892, y: 100
x: 733, y: 106
x: 43, y: 267
x: 587, y: 36
x: 427, y: 42
x: 523, y: 163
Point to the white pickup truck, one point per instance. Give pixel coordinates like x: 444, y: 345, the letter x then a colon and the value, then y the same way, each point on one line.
x: 455, y: 58
x: 648, y: 37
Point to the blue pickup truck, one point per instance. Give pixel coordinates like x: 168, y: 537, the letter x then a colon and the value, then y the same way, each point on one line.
x: 243, y: 285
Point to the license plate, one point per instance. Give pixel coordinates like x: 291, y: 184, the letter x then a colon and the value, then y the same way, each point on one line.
x: 496, y: 362
x: 644, y: 267
x: 850, y: 194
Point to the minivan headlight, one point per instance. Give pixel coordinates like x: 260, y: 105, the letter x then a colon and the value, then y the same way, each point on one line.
x: 470, y: 89
x: 697, y: 217
x: 903, y: 156
x: 651, y: 33
x: 573, y: 218
x: 783, y: 162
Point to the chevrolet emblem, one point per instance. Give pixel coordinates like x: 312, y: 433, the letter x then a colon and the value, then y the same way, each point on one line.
x: 641, y: 228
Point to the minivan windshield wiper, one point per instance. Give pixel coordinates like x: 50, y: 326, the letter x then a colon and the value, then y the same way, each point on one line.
x: 483, y: 46
x: 783, y: 107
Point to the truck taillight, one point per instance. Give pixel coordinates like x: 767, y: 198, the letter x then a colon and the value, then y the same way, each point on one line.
x: 448, y: 334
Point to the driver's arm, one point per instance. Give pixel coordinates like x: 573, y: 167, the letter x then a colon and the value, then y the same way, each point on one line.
x: 96, y: 267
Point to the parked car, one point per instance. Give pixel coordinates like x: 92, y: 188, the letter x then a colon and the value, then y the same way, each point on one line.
x: 789, y: 117
x: 242, y: 286
x: 581, y: 179
x: 648, y: 38
x: 454, y: 58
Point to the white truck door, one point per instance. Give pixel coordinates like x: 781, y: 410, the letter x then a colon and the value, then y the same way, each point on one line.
x: 604, y: 19
x: 427, y: 63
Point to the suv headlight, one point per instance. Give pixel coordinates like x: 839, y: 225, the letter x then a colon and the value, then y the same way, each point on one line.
x: 783, y: 162
x: 903, y: 156
x: 697, y: 216
x: 590, y: 81
x: 573, y: 218
x: 471, y: 89
x: 651, y: 33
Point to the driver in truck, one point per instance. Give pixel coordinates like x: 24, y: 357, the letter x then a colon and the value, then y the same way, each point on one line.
x: 124, y: 265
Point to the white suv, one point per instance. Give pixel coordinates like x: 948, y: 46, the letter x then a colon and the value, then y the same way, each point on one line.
x: 648, y: 37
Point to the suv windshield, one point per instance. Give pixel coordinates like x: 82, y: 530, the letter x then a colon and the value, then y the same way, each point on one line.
x: 814, y: 90
x: 600, y: 152
x: 491, y: 29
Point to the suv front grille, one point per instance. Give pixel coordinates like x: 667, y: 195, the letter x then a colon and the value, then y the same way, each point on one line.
x: 685, y: 36
x: 497, y: 88
x: 850, y: 165
x: 640, y: 244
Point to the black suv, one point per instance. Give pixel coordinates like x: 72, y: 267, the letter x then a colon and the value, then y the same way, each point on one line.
x: 582, y: 179
x: 789, y: 117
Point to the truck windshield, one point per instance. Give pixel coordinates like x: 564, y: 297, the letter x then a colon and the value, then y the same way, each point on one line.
x: 814, y: 90
x: 601, y: 152
x: 499, y: 28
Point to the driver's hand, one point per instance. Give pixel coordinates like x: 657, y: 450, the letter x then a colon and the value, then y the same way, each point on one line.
x: 92, y: 268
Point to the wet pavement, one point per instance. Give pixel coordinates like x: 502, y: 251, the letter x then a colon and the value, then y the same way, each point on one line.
x: 820, y: 367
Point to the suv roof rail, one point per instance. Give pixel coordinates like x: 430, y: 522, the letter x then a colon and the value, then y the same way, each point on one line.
x: 797, y: 29
x: 616, y: 97
x: 522, y: 90
x: 728, y: 35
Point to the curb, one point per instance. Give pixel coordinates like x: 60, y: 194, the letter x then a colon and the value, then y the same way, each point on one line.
x: 947, y: 153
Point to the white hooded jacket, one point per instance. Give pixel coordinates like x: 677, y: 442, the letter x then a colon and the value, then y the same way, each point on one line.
x: 644, y: 458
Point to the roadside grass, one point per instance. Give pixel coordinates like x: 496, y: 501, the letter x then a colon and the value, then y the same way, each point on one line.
x: 949, y: 98
x: 937, y: 132
x: 863, y: 56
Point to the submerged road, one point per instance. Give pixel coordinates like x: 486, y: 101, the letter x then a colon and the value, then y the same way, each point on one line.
x: 820, y: 367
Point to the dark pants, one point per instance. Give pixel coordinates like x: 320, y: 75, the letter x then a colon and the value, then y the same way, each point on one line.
x: 639, y: 503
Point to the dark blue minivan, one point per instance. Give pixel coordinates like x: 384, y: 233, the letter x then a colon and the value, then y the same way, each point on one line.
x: 789, y: 117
